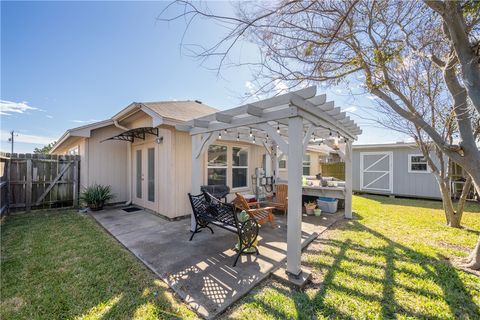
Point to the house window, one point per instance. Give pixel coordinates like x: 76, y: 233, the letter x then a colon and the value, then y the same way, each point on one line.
x: 239, y: 167
x: 282, y: 164
x: 417, y: 163
x: 217, y: 165
x: 306, y: 165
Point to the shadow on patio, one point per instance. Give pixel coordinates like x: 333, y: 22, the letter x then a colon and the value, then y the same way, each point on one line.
x: 200, y: 271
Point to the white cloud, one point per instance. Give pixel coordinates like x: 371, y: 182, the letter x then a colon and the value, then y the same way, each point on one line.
x: 85, y: 121
x: 372, y: 97
x: 350, y: 109
x: 49, y: 116
x: 280, y: 86
x: 7, y: 108
x: 26, y: 138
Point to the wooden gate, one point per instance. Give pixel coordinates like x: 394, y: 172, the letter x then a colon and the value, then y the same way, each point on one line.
x: 38, y: 181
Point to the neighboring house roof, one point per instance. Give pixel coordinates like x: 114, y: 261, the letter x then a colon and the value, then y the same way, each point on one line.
x: 162, y: 112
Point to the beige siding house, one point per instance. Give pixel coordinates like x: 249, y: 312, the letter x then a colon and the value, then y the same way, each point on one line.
x: 154, y: 170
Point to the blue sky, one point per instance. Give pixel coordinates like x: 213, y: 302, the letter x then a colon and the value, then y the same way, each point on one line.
x: 65, y: 64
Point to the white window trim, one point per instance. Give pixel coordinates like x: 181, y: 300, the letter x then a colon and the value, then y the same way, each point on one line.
x: 229, y: 166
x: 410, y: 164
x: 286, y: 164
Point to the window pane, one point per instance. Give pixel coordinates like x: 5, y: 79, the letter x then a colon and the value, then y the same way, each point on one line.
x: 239, y: 157
x: 139, y: 173
x: 239, y: 177
x: 419, y: 167
x: 306, y: 171
x: 151, y: 174
x: 418, y: 159
x: 217, y: 155
x: 306, y: 160
x: 282, y: 164
x: 217, y: 176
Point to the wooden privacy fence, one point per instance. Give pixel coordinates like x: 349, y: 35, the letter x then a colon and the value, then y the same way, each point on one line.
x: 336, y: 170
x: 38, y: 181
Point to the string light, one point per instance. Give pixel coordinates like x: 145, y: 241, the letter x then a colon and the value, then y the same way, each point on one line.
x: 330, y: 134
x: 219, y: 135
x: 251, y: 132
x: 338, y: 135
x: 238, y: 136
x: 254, y: 139
x: 278, y: 128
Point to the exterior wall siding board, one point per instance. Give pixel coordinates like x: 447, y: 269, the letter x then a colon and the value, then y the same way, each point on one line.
x: 404, y: 183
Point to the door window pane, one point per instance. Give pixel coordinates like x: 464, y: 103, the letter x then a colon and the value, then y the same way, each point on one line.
x: 151, y: 174
x: 139, y: 173
x: 217, y: 176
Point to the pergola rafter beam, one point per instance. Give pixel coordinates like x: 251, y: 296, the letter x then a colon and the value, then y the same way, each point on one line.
x: 246, y: 121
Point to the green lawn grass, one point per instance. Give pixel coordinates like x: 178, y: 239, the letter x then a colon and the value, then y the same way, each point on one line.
x: 390, y: 262
x: 60, y: 264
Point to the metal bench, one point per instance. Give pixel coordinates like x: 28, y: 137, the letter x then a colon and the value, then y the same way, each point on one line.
x: 208, y: 210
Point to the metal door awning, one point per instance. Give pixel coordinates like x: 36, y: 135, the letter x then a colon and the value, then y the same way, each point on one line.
x: 132, y: 134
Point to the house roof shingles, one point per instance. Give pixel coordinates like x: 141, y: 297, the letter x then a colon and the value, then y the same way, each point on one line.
x: 180, y: 110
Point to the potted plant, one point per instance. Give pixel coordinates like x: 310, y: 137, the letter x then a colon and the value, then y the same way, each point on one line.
x: 309, y: 207
x: 96, y: 195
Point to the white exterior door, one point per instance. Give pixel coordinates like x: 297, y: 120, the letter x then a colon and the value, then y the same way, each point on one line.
x: 144, y: 171
x: 376, y: 171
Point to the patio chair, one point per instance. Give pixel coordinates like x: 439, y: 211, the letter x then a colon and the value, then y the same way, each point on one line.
x: 261, y: 215
x: 281, y: 198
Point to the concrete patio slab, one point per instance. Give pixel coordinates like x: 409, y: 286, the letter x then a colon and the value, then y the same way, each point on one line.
x: 200, y: 271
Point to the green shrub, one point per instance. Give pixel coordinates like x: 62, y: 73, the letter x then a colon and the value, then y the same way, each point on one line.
x: 96, y: 195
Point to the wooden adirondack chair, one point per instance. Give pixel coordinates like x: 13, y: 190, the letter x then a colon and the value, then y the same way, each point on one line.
x: 281, y: 198
x: 261, y: 215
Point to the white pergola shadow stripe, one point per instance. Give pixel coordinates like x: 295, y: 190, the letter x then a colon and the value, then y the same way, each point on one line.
x: 289, y: 122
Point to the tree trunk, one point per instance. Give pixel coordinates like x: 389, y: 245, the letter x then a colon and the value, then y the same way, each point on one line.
x: 453, y: 219
x: 473, y: 261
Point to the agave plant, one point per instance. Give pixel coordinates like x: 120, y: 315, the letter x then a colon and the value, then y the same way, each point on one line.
x: 96, y: 195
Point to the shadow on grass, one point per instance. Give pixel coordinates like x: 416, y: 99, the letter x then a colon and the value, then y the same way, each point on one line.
x: 445, y: 291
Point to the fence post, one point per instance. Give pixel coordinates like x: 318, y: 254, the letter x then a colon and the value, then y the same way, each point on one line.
x: 75, y: 184
x: 28, y: 186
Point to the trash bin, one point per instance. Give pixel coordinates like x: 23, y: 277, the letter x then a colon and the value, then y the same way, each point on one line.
x: 328, y: 205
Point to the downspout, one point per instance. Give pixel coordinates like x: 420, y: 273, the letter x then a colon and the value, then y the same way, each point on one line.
x: 129, y: 164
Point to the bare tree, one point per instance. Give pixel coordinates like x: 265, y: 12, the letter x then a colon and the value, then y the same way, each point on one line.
x: 461, y: 27
x: 329, y: 41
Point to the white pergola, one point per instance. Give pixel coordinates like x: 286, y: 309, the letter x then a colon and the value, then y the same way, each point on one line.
x: 285, y: 125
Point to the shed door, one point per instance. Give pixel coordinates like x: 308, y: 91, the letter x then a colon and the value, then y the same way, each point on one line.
x: 376, y: 171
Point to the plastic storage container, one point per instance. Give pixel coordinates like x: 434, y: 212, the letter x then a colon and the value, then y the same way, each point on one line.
x: 328, y: 205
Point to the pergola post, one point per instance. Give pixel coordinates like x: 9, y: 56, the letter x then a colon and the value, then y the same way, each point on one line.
x: 348, y: 179
x: 294, y: 217
x: 196, y: 171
